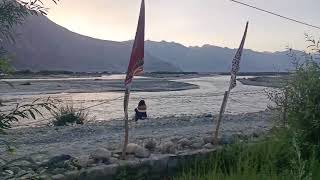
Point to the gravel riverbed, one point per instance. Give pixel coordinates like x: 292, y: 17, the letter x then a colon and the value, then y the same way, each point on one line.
x: 81, y: 140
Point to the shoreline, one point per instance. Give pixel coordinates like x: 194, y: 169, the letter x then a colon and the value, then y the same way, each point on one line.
x: 58, y: 151
x: 80, y: 140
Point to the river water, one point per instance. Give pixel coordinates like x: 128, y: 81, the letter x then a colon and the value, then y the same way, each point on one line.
x: 205, y: 100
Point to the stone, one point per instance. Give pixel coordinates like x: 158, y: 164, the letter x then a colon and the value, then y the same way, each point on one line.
x: 168, y: 148
x: 101, y: 154
x: 58, y: 171
x: 208, y: 139
x: 99, y: 172
x: 15, y: 169
x: 142, y: 152
x: 58, y: 177
x: 82, y: 162
x: 151, y: 145
x: 21, y: 173
x: 209, y: 146
x: 196, y: 145
x: 8, y: 172
x: 131, y: 148
x: 184, y: 142
x: 58, y: 160
x: 113, y: 160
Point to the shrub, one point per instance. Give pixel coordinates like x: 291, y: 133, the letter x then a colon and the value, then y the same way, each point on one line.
x: 68, y: 115
x: 277, y: 157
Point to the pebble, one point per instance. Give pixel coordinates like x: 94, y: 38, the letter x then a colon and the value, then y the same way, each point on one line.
x: 209, y: 146
x: 100, y: 154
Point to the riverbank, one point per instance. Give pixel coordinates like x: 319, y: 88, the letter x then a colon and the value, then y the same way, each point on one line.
x: 265, y: 81
x: 171, y: 135
x: 90, y: 85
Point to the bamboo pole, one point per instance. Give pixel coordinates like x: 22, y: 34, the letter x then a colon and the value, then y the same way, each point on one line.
x: 126, y: 123
x: 222, y: 110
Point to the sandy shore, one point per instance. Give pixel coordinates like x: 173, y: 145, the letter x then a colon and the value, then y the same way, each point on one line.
x: 81, y: 140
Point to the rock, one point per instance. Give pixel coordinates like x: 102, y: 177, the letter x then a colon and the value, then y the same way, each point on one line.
x: 8, y: 172
x: 184, y: 142
x: 168, y: 148
x: 58, y: 177
x: 209, y: 146
x: 196, y: 145
x: 82, y: 162
x: 131, y: 148
x: 115, y: 155
x: 15, y: 169
x: 113, y: 160
x: 151, y: 145
x: 142, y: 152
x: 58, y: 160
x: 208, y: 139
x: 44, y: 177
x: 21, y: 173
x: 101, y: 154
x: 100, y: 172
x: 58, y: 171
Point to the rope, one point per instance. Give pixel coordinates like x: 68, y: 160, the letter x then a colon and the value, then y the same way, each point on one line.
x: 275, y: 14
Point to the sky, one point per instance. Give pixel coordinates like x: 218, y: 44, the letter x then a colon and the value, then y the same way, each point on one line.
x: 193, y: 22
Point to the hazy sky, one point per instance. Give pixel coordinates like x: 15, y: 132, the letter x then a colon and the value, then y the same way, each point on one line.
x: 193, y: 22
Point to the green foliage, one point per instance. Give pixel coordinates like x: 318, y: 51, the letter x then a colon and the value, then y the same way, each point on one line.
x: 68, y: 115
x: 7, y: 118
x: 276, y: 158
x: 5, y: 66
x: 303, y: 103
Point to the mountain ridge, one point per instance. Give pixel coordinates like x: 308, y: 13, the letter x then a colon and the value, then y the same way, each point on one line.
x: 45, y: 45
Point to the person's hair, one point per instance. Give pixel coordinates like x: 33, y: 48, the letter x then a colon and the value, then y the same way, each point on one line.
x: 142, y: 103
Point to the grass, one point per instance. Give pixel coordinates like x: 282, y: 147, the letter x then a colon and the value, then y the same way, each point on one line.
x: 275, y: 158
x: 68, y: 115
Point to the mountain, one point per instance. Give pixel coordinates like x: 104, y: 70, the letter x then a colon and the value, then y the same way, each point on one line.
x: 210, y: 58
x: 43, y: 45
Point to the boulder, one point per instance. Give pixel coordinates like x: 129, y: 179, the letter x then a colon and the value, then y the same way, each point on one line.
x: 131, y: 148
x: 101, y: 154
x: 58, y: 177
x: 168, y: 148
x: 196, y: 145
x: 184, y: 142
x: 142, y: 153
x: 209, y: 146
x: 82, y: 162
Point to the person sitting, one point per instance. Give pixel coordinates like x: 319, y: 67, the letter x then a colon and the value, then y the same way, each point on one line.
x: 141, y: 111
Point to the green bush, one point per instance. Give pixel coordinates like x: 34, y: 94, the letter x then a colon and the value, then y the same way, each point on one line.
x: 303, y: 105
x: 68, y: 115
x: 277, y: 157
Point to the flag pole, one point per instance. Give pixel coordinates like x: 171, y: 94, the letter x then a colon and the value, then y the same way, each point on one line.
x: 233, y: 83
x: 126, y: 122
x: 135, y: 67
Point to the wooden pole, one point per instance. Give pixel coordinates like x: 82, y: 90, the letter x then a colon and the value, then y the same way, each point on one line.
x: 126, y: 123
x: 222, y: 110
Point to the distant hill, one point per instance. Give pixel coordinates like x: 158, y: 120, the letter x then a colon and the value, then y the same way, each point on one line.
x: 210, y: 58
x: 44, y: 45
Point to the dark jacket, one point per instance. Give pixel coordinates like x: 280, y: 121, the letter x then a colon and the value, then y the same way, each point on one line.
x: 141, y: 112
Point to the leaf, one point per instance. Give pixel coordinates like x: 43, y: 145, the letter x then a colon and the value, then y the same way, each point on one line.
x: 32, y: 114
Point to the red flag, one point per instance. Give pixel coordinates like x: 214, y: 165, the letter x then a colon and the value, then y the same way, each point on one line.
x: 236, y: 61
x: 137, y: 55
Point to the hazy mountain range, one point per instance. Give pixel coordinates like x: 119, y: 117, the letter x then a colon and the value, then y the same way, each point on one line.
x: 43, y: 45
